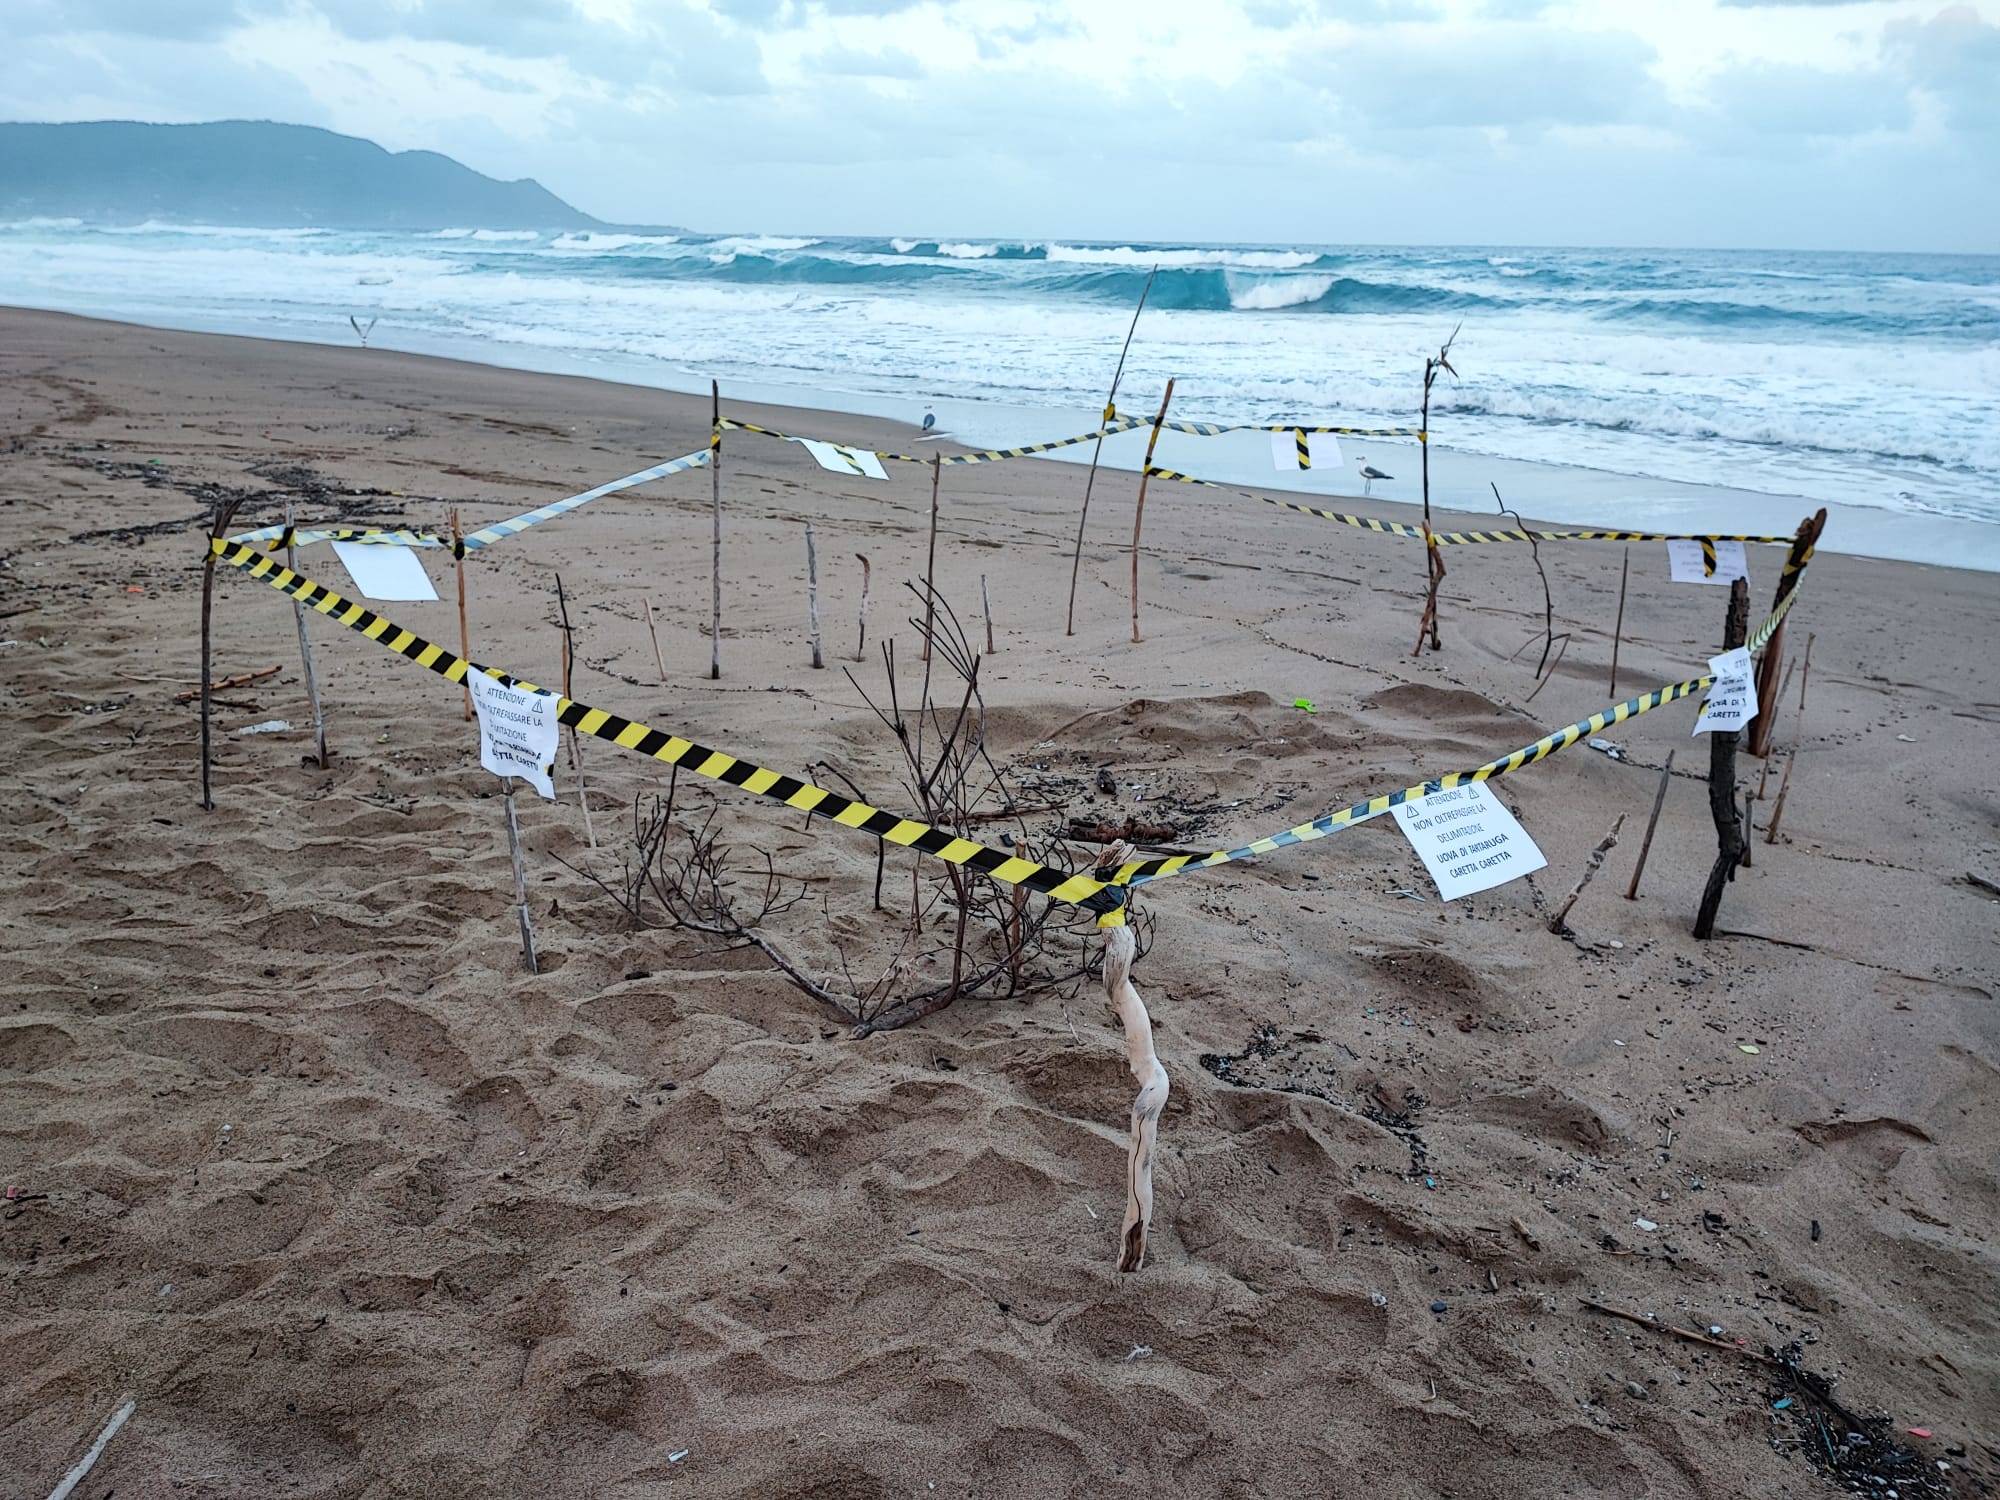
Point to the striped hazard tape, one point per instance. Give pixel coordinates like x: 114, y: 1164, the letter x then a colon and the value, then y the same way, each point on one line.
x: 276, y: 538
x: 991, y: 455
x: 1471, y: 538
x: 1105, y: 894
x: 717, y: 765
x: 1216, y: 429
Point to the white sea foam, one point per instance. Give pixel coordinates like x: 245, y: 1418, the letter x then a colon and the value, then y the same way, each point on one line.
x: 595, y: 242
x: 1287, y: 291
x: 904, y: 247
x: 1126, y: 255
x: 958, y: 251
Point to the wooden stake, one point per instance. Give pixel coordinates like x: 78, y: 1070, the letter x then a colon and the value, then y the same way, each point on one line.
x: 464, y: 630
x: 1764, y: 779
x: 986, y: 603
x: 658, y: 661
x: 1798, y: 732
x: 225, y: 511
x: 1749, y: 824
x: 1433, y: 563
x: 520, y: 878
x: 1722, y: 780
x: 930, y: 561
x: 812, y: 596
x: 305, y: 647
x: 1590, y: 869
x: 861, y: 645
x: 1618, y: 630
x: 1110, y: 416
x: 1646, y: 844
x: 715, y: 568
x: 1759, y: 733
x: 575, y: 743
x: 1139, y: 511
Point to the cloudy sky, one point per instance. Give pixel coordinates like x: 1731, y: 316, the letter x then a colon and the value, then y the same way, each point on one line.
x: 1864, y: 124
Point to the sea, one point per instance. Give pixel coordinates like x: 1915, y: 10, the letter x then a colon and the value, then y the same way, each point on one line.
x: 1865, y: 381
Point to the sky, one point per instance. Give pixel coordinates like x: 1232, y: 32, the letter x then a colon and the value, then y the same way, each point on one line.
x: 1857, y: 124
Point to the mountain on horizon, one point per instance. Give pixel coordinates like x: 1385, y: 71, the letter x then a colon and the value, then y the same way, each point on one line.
x: 256, y: 172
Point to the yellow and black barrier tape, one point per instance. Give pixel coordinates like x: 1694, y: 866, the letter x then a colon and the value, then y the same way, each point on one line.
x: 1471, y: 538
x: 277, y: 538
x: 988, y: 456
x: 1216, y: 429
x: 1105, y: 894
x: 718, y: 765
x: 1144, y: 872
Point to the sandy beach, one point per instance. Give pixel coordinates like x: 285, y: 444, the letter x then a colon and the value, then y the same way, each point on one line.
x: 352, y: 1205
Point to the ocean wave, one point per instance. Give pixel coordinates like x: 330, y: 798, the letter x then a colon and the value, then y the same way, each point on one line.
x: 738, y: 243
x: 595, y: 242
x: 487, y: 236
x: 904, y: 247
x: 1128, y: 255
x: 961, y: 251
x: 1289, y: 291
x: 1758, y: 425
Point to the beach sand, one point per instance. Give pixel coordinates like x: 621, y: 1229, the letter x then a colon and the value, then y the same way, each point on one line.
x: 352, y: 1205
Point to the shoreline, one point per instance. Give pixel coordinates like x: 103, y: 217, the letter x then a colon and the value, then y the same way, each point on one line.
x: 1545, y: 494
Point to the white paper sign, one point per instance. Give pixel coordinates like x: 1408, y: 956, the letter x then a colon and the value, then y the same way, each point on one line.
x: 1467, y: 841
x: 1684, y: 561
x: 381, y: 572
x: 845, y: 460
x: 518, y: 731
x: 1326, y: 452
x: 1732, y: 702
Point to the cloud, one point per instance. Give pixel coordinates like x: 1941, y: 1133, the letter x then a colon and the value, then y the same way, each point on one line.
x: 189, y: 20
x: 1760, y: 101
x: 1487, y: 77
x: 1955, y: 57
x: 1786, y: 4
x: 851, y: 62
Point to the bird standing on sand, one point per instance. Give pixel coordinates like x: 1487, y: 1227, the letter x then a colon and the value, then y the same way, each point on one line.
x: 1369, y: 474
x: 930, y: 419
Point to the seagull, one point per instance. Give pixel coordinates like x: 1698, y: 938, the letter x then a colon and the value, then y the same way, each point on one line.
x: 1369, y: 474
x: 930, y: 419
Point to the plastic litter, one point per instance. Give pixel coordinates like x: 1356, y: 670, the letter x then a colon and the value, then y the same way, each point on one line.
x: 1304, y: 703
x: 1616, y: 752
x: 269, y: 726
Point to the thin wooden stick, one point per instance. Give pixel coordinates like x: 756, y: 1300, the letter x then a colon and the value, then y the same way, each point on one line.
x: 1764, y: 780
x: 1139, y: 511
x: 1590, y: 869
x: 812, y: 596
x: 77, y: 1475
x: 658, y: 660
x: 1749, y: 823
x: 1119, y: 951
x: 715, y: 568
x: 1618, y: 629
x: 1110, y: 416
x: 1679, y: 1333
x: 986, y: 603
x: 1798, y: 732
x: 575, y: 743
x: 520, y: 878
x: 1646, y: 844
x: 305, y: 646
x: 861, y: 645
x: 220, y: 684
x: 930, y: 560
x: 464, y: 630
x: 225, y: 511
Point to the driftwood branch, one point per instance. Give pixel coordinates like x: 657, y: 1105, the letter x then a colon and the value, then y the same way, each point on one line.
x: 1590, y: 869
x: 1150, y: 1101
x: 1722, y: 804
